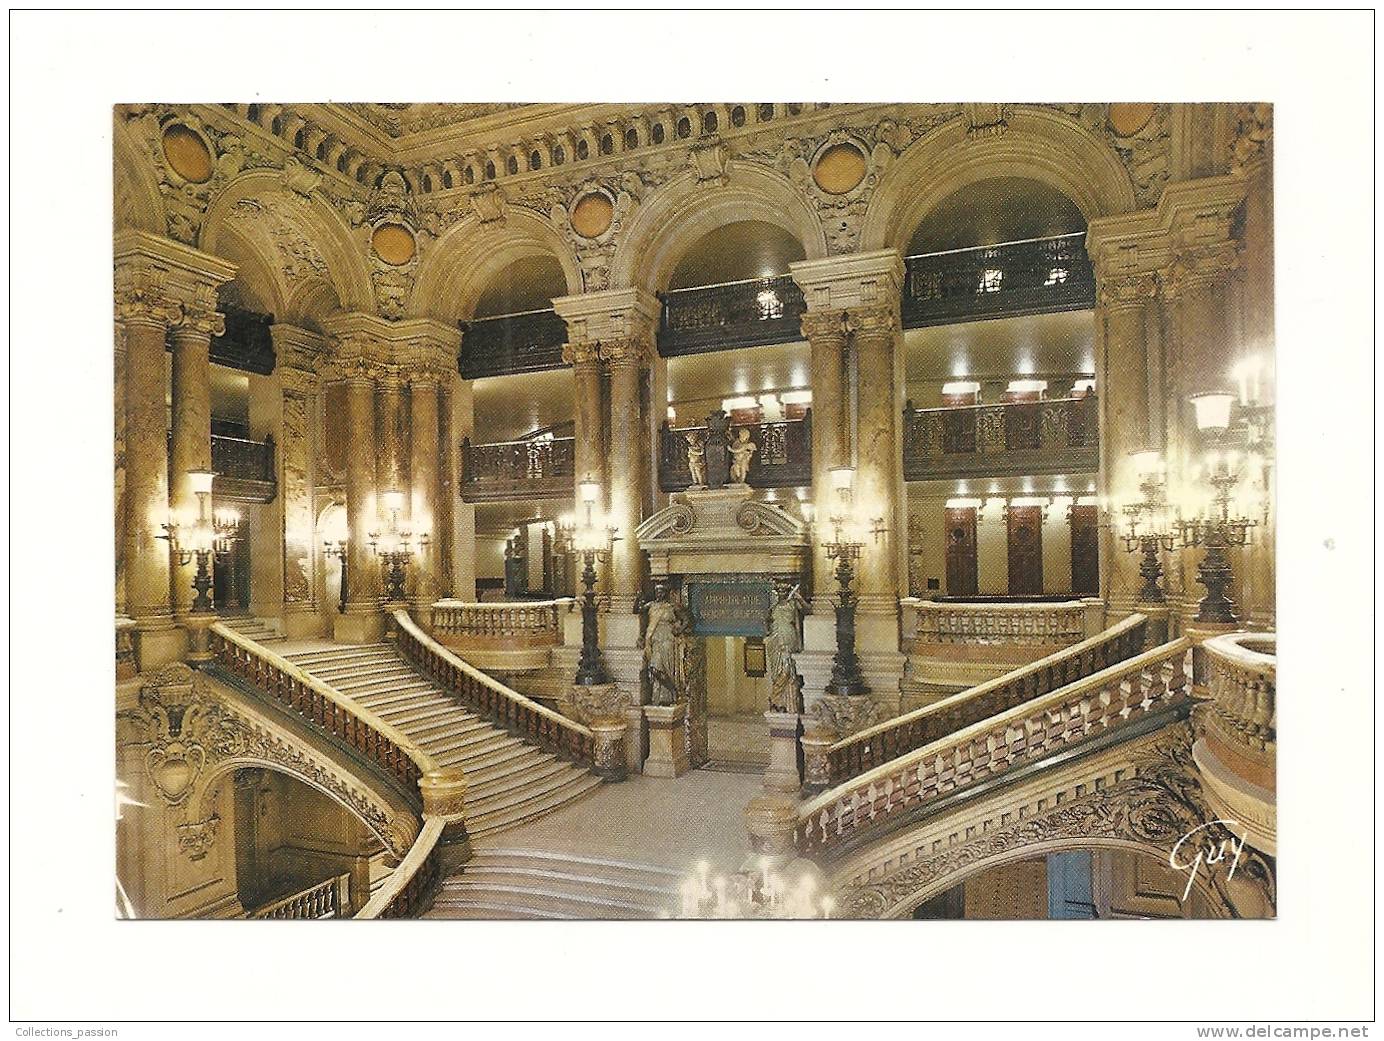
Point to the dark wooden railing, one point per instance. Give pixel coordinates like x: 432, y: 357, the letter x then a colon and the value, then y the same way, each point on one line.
x: 491, y: 698
x: 1029, y: 437
x: 242, y: 459
x: 281, y: 681
x: 526, y: 342
x: 1036, y: 276
x: 531, y: 469
x: 879, y: 744
x: 732, y: 314
x: 783, y: 456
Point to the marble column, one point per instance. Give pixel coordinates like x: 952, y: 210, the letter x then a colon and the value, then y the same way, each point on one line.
x: 389, y: 468
x: 423, y: 474
x: 145, y: 313
x: 589, y: 429
x: 191, y: 422
x: 879, y: 488
x: 360, y: 620
x: 826, y: 337
x: 120, y: 530
x: 298, y: 352
x: 455, y: 517
x: 625, y: 358
x: 1122, y: 317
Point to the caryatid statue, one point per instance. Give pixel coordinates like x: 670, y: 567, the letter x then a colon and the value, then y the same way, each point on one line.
x: 665, y: 632
x: 785, y: 639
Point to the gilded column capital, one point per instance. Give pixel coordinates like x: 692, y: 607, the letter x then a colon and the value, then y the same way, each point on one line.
x: 581, y: 353
x: 1200, y: 266
x: 881, y: 320
x: 200, y: 317
x: 824, y: 326
x: 625, y: 350
x: 1252, y: 141
x: 1128, y: 290
x: 299, y: 354
x: 162, y: 282
x: 142, y: 298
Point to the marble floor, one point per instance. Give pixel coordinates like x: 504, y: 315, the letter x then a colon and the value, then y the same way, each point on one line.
x: 671, y: 822
x: 738, y: 740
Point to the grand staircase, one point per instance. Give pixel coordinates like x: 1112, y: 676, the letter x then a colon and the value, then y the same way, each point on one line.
x: 530, y: 883
x: 252, y: 628
x: 508, y: 781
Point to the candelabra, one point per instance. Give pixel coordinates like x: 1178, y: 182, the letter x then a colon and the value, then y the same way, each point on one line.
x: 1215, y: 528
x: 1148, y: 533
x: 844, y: 547
x: 594, y: 541
x: 209, y: 537
x: 394, y: 546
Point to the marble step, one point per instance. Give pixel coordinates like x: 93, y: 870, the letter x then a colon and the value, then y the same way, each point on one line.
x: 476, y: 910
x: 491, y: 822
x: 536, y: 899
x: 523, y: 858
x: 343, y: 653
x: 524, y: 771
x: 655, y: 899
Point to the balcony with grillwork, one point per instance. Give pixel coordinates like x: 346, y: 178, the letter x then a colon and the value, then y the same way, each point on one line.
x: 244, y: 468
x: 535, y: 468
x: 1007, y: 439
x: 782, y: 459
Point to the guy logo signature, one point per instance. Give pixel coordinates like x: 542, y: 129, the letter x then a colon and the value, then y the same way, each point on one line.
x: 1208, y: 851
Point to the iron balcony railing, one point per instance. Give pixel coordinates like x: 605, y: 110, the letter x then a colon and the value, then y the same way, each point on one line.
x: 533, y: 469
x: 242, y: 459
x: 782, y: 459
x: 747, y: 313
x: 1031, y: 437
x: 529, y: 341
x: 1034, y: 276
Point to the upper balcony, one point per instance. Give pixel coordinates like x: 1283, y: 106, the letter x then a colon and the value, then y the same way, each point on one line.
x: 1011, y: 279
x: 1025, y: 438
x: 244, y: 468
x: 783, y: 456
x: 536, y: 468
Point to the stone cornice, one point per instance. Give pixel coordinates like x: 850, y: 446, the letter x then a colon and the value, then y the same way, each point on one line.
x: 1189, y: 213
x: 185, y: 272
x: 850, y: 280
x: 614, y: 314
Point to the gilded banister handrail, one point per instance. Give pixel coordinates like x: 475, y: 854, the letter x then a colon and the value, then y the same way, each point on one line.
x: 319, y: 704
x: 1027, y: 733
x: 883, y: 742
x: 1243, y: 668
x: 492, y: 698
x: 328, y: 899
x: 410, y: 884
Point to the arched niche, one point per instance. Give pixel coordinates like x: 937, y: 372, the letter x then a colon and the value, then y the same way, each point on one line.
x: 1000, y: 209
x: 673, y: 219
x: 734, y: 252
x: 1037, y: 145
x: 528, y: 283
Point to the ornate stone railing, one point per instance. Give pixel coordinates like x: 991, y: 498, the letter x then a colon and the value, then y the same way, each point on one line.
x: 530, y: 469
x: 1025, y: 437
x: 490, y: 697
x: 328, y: 899
x: 747, y: 313
x: 538, y: 621
x: 1035, y: 276
x: 1041, y: 623
x: 880, y: 744
x: 783, y: 456
x: 525, y: 342
x: 1037, y: 729
x: 409, y: 889
x: 1243, y: 668
x: 324, y: 708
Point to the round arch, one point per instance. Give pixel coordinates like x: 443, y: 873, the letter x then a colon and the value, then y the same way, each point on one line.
x: 321, y: 226
x: 396, y: 831
x: 138, y: 204
x: 460, y: 265
x: 676, y: 216
x: 1037, y: 145
x: 904, y: 908
x: 257, y: 277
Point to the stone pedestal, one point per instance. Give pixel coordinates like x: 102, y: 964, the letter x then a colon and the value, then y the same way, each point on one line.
x: 610, y: 734
x: 816, y: 772
x: 844, y: 714
x: 1199, y: 633
x: 199, y: 636
x: 770, y: 820
x: 608, y: 703
x: 1158, y: 631
x: 158, y: 641
x: 784, y: 772
x: 667, y: 741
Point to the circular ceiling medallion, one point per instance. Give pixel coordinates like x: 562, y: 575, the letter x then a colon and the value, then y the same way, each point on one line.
x: 839, y: 169
x: 393, y: 244
x: 187, y: 153
x: 1129, y: 117
x: 592, y: 215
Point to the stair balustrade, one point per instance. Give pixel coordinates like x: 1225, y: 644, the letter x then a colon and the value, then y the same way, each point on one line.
x: 530, y: 621
x: 356, y: 726
x: 410, y: 887
x: 933, y: 622
x: 1030, y: 732
x: 328, y: 899
x: 491, y: 698
x: 880, y: 744
x: 1243, y: 668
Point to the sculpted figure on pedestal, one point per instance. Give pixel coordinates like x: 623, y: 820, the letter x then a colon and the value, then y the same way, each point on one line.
x: 696, y: 457
x: 665, y: 640
x: 784, y: 641
x: 742, y: 450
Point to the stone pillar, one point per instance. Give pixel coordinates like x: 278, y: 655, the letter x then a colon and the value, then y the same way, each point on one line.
x: 423, y: 473
x: 879, y: 489
x: 389, y: 466
x: 1122, y: 316
x: 784, y: 772
x: 361, y: 622
x: 299, y: 353
x: 826, y: 338
x: 626, y: 470
x: 589, y: 457
x: 159, y: 284
x: 459, y: 549
x: 121, y: 533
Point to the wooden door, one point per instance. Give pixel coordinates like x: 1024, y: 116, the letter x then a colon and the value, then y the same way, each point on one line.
x: 1085, y: 552
x: 1025, y: 550
x: 962, y: 573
